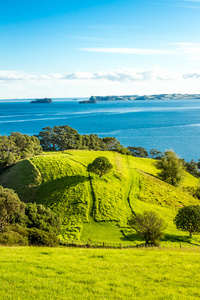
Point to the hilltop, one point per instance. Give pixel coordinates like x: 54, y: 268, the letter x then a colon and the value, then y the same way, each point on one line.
x: 98, y: 208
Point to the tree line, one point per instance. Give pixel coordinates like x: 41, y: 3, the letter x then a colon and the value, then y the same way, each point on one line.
x: 60, y: 138
x: 26, y: 224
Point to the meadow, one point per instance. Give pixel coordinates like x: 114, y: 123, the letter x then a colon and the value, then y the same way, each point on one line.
x: 64, y: 273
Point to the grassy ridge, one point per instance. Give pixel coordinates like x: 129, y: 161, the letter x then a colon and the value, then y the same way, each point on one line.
x: 64, y: 188
x: 24, y: 178
x: 86, y: 202
x: 56, y: 273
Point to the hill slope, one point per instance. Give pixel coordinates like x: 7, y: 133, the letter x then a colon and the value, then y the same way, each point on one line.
x: 93, y: 207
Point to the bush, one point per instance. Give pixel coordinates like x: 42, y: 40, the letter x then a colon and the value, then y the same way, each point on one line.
x: 39, y: 237
x: 149, y: 225
x: 11, y: 208
x: 14, y: 235
x: 38, y: 216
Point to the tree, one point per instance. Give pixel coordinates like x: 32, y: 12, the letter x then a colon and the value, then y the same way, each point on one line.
x: 138, y: 151
x: 192, y: 168
x: 38, y: 216
x: 17, y: 146
x: 149, y: 225
x: 172, y: 169
x: 60, y: 138
x: 112, y: 144
x: 101, y: 165
x: 155, y: 154
x: 11, y: 208
x: 188, y: 219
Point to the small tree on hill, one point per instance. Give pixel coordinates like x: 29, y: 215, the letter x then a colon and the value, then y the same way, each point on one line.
x: 172, y: 169
x: 11, y: 208
x: 101, y: 165
x: 188, y: 219
x: 149, y: 225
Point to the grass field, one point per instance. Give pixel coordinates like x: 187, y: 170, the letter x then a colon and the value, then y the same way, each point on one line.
x: 63, y: 273
x: 98, y: 208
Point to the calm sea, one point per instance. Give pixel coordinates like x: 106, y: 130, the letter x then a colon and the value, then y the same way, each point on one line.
x: 169, y: 124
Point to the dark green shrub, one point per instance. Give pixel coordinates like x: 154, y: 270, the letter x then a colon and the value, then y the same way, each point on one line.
x: 14, y: 235
x: 39, y: 237
x: 38, y: 216
x: 11, y: 208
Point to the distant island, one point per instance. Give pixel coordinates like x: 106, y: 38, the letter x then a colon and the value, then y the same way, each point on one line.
x: 95, y: 99
x: 44, y: 100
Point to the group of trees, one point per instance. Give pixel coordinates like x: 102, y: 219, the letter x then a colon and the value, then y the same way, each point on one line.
x: 191, y: 167
x: 17, y: 146
x: 142, y: 152
x: 31, y: 223
x: 150, y: 226
x: 64, y: 137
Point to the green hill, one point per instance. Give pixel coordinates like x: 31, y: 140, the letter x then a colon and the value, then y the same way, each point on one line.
x: 98, y: 208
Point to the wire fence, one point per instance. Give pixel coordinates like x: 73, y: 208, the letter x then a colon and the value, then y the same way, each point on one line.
x: 103, y: 245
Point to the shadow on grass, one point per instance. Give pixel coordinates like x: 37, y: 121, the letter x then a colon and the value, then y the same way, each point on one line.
x: 176, y: 238
x: 59, y: 187
x: 131, y: 236
x: 134, y: 237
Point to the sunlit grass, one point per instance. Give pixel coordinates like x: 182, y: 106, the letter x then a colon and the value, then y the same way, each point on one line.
x: 86, y: 203
x: 47, y: 273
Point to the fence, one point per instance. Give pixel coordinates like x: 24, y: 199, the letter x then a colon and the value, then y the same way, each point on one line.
x: 103, y: 245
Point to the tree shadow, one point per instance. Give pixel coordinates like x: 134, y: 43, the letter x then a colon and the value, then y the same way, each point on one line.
x: 177, y: 238
x: 59, y: 187
x: 131, y: 236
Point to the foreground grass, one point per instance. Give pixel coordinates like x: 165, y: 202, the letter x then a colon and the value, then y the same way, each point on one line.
x: 63, y: 273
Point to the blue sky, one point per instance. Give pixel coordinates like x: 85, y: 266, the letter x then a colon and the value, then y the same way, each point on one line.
x: 83, y: 48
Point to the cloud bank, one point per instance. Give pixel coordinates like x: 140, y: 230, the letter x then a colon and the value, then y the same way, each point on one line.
x: 123, y: 75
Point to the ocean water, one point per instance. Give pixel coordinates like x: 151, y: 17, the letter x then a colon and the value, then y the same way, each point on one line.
x: 168, y: 124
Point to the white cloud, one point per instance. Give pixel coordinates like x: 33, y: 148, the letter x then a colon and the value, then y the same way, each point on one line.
x: 123, y: 75
x: 16, y: 75
x: 130, y: 51
x: 187, y: 50
x: 191, y: 76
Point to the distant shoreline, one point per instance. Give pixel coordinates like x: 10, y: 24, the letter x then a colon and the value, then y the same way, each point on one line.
x: 95, y: 99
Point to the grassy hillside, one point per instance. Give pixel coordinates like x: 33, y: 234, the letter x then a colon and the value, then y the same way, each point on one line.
x: 56, y: 273
x: 98, y: 208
